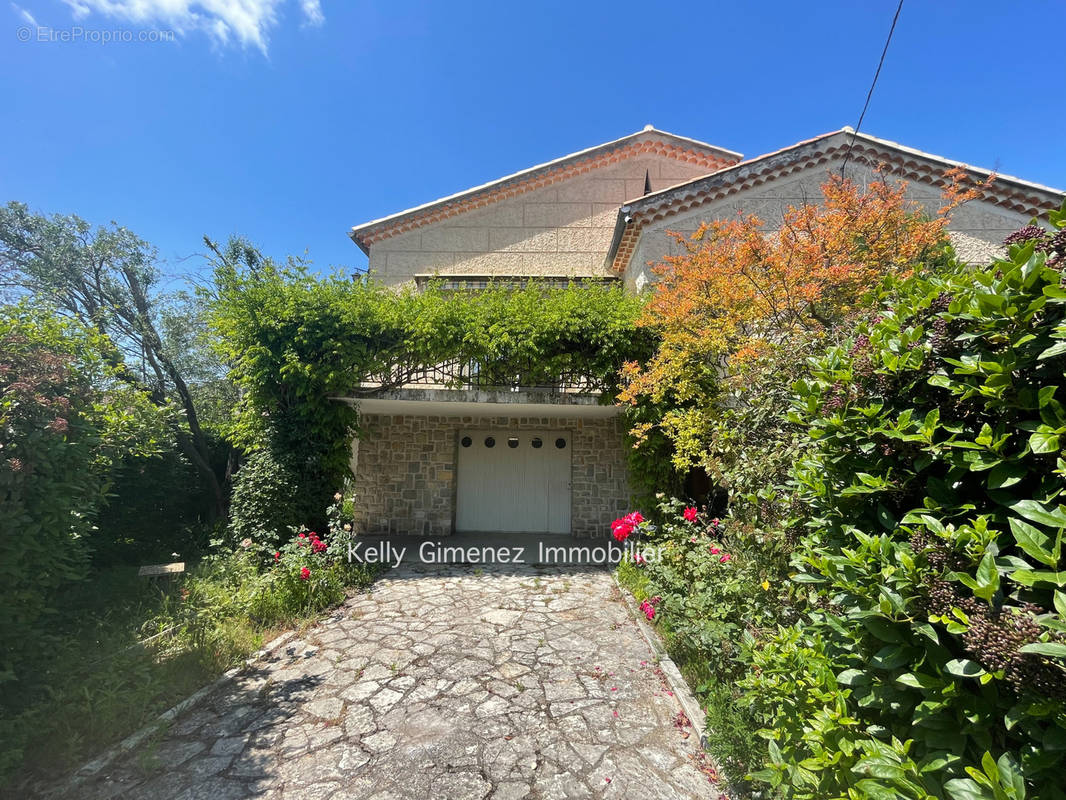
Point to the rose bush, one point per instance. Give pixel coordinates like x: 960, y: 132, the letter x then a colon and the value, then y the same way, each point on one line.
x: 707, y: 592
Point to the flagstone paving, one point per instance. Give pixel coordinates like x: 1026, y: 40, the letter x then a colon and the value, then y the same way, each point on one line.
x: 440, y: 683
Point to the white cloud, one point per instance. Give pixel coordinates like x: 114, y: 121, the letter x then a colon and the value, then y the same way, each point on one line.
x: 27, y: 17
x: 245, y: 21
x: 312, y: 12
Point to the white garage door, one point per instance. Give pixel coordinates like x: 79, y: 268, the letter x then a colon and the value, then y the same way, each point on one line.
x: 512, y: 481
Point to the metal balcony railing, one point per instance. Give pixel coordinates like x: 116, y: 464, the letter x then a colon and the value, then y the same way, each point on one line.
x: 465, y: 374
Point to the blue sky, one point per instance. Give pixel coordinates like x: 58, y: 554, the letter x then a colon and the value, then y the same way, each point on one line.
x: 288, y: 122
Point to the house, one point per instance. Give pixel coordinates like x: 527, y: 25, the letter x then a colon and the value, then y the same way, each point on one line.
x: 436, y: 461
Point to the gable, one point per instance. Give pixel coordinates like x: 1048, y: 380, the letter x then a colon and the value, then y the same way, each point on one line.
x: 555, y: 220
x: 768, y: 185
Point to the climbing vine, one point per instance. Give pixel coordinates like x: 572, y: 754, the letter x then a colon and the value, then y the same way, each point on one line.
x: 296, y: 341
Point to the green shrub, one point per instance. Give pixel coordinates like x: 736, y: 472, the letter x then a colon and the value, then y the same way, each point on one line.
x: 267, y: 499
x: 155, y: 507
x: 61, y: 433
x: 931, y: 660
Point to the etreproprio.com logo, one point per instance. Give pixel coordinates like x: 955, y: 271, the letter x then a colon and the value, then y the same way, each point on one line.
x: 77, y: 34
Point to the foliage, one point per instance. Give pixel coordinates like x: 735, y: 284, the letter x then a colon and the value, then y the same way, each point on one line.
x: 296, y: 342
x: 156, y: 510
x: 932, y: 659
x: 124, y: 652
x: 267, y: 499
x: 65, y: 422
x: 735, y: 294
x: 109, y: 280
x: 714, y: 583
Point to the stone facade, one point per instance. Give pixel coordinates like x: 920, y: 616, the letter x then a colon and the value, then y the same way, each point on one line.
x: 406, y: 478
x: 562, y: 230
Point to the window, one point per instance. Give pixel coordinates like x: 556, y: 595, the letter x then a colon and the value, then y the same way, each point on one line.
x: 560, y: 442
x: 490, y: 442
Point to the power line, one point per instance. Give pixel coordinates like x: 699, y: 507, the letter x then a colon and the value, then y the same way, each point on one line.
x: 870, y: 93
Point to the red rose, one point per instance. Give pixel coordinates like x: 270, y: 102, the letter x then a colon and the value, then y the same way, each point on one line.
x: 277, y: 556
x: 690, y: 514
x: 305, y: 573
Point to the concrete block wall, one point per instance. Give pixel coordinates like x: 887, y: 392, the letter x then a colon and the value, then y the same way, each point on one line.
x: 405, y: 471
x: 559, y: 230
x: 976, y: 229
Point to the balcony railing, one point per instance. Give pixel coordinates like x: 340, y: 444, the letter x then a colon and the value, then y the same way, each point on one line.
x: 464, y: 374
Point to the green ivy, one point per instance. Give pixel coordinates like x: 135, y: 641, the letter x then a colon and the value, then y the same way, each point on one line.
x: 296, y: 341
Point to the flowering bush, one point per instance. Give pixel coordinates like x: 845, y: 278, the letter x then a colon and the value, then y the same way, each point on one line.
x: 66, y: 423
x: 708, y: 594
x: 648, y: 606
x: 624, y: 527
x: 307, y: 573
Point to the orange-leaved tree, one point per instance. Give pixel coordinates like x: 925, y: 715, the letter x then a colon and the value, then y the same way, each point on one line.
x: 740, y: 292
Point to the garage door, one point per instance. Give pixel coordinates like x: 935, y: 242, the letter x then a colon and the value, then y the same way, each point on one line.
x: 513, y: 482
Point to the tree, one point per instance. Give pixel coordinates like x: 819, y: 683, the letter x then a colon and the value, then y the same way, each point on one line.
x: 108, y: 279
x: 737, y: 294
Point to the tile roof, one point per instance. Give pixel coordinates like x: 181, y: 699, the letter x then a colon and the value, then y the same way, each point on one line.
x: 648, y: 140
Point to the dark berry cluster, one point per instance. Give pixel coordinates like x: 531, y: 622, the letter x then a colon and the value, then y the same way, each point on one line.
x: 1057, y: 243
x: 835, y: 400
x: 995, y: 636
x: 1053, y: 245
x: 886, y: 384
x: 942, y: 338
x: 862, y: 364
x: 1026, y: 234
x: 941, y: 303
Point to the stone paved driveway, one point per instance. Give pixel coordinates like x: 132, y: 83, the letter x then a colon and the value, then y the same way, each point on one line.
x: 441, y: 683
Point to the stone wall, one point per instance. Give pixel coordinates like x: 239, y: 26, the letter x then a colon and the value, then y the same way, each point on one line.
x: 405, y: 471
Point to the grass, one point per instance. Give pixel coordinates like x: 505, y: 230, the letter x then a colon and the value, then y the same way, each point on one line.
x: 126, y: 650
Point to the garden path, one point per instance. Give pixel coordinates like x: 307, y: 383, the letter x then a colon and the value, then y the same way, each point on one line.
x: 440, y: 683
